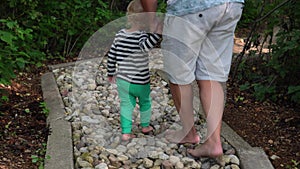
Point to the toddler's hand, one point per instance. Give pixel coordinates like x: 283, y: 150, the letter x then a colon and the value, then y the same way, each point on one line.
x: 112, y: 79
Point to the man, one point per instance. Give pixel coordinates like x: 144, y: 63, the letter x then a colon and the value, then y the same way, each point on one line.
x: 197, y: 45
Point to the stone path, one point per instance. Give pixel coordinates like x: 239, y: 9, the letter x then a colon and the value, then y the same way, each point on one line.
x: 91, y: 105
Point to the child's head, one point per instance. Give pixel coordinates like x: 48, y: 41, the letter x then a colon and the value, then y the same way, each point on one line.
x: 134, y: 13
x: 134, y: 7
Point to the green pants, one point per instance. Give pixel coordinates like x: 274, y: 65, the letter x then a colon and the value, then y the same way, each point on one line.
x: 128, y: 93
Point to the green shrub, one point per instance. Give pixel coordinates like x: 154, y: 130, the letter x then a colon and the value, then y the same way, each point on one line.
x: 34, y: 30
x: 273, y: 75
x: 15, y: 50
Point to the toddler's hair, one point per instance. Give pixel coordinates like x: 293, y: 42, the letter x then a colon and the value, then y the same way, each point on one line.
x: 134, y: 12
x: 134, y: 7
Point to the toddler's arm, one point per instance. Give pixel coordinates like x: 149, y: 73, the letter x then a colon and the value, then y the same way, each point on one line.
x: 148, y: 41
x: 111, y: 62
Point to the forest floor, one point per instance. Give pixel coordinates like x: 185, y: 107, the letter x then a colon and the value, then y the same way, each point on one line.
x: 271, y: 126
x: 23, y: 129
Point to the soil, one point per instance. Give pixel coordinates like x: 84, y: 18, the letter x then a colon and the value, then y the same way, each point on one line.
x: 24, y: 131
x: 23, y: 128
x: 271, y: 126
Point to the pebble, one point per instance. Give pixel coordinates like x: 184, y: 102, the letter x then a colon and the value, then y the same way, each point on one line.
x: 92, y: 107
x: 101, y: 166
x: 147, y: 163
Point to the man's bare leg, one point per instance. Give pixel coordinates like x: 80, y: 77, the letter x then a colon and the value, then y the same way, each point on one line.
x: 183, y: 100
x: 150, y: 7
x: 212, y: 99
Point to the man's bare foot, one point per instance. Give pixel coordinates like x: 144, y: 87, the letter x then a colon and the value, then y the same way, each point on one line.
x: 207, y: 150
x: 147, y: 130
x: 126, y: 137
x: 181, y: 138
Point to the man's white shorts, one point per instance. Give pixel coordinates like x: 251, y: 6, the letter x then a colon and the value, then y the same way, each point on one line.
x: 199, y: 46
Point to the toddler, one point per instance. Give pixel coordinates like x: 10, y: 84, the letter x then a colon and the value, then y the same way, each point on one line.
x: 128, y: 66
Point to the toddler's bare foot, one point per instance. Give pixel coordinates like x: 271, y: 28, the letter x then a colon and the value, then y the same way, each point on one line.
x: 147, y: 130
x: 181, y: 137
x: 126, y: 137
x: 207, y: 149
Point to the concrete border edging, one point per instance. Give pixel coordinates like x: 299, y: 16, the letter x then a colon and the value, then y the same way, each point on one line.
x: 59, y: 144
x: 250, y: 157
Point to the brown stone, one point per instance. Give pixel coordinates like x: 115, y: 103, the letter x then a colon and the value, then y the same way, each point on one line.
x: 167, y: 165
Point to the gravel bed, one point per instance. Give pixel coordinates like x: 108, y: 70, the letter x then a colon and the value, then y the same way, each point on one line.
x: 92, y: 107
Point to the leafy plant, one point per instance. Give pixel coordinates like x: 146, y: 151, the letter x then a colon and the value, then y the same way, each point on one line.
x: 32, y: 31
x: 162, y: 6
x: 39, y: 157
x: 239, y: 98
x: 27, y: 110
x: 7, y: 125
x: 4, y: 99
x: 45, y: 110
x: 15, y: 52
x: 294, y: 91
x: 296, y: 163
x: 276, y: 27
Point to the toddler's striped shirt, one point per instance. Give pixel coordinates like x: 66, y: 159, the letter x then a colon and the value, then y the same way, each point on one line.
x: 128, y: 57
